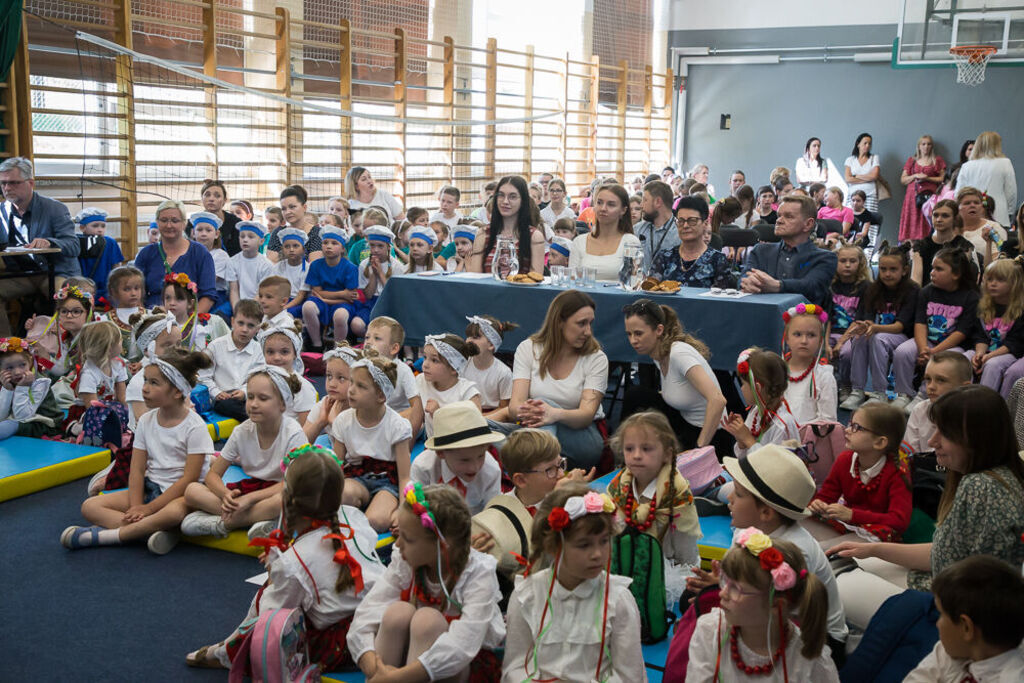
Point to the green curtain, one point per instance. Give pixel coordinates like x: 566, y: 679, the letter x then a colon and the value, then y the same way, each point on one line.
x: 10, y: 33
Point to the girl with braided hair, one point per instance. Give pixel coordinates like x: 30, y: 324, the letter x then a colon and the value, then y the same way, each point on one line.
x: 321, y: 561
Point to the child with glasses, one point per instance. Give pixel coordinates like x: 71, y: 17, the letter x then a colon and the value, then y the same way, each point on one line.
x: 869, y: 478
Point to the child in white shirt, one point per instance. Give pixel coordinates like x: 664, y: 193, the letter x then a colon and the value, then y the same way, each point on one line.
x: 492, y: 377
x: 273, y: 298
x: 152, y: 336
x: 337, y: 378
x: 248, y: 268
x: 281, y: 347
x: 386, y: 336
x: 572, y: 620
x: 198, y: 330
x: 233, y: 356
x: 373, y: 441
x: 444, y: 357
x: 293, y: 266
x: 811, y: 393
x: 459, y: 455
x: 421, y: 250
x: 448, y: 212
x: 125, y: 288
x: 944, y: 372
x: 104, y: 376
x: 27, y: 406
x: 463, y: 236
x: 206, y: 230
x: 769, y: 420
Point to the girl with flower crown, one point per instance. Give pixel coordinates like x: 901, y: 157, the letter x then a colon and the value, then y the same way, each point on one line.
x: 811, y: 394
x: 434, y: 613
x: 197, y: 329
x: 752, y: 636
x: 763, y: 383
x: 322, y: 561
x: 27, y: 407
x: 573, y: 620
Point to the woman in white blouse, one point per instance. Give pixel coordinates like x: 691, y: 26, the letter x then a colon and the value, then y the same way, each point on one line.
x: 613, y: 232
x: 811, y: 167
x: 975, y: 225
x: 559, y: 378
x: 861, y: 171
x: 557, y: 207
x: 992, y: 173
x: 690, y: 396
x: 362, y: 193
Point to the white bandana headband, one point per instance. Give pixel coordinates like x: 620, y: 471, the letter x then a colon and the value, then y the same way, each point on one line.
x: 447, y: 351
x: 263, y: 335
x: 145, y: 342
x: 345, y: 353
x: 174, y: 376
x: 379, y: 378
x: 488, y: 330
x: 280, y: 379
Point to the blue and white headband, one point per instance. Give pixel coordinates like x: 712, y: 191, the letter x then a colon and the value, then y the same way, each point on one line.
x: 425, y: 234
x: 378, y: 376
x: 465, y: 231
x: 447, y: 351
x: 491, y: 334
x: 292, y: 234
x: 280, y: 379
x: 345, y: 353
x: 296, y: 341
x: 206, y: 217
x: 253, y: 227
x: 90, y: 215
x: 173, y: 376
x: 562, y: 246
x: 333, y: 232
x: 379, y: 233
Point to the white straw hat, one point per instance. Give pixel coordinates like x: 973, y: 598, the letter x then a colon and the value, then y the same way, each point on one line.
x: 777, y: 477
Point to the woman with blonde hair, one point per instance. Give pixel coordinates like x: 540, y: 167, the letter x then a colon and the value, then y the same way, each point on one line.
x: 990, y: 171
x: 362, y: 192
x: 922, y: 175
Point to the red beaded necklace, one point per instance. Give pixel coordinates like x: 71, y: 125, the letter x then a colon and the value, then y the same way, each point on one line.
x: 415, y: 589
x: 761, y: 422
x: 762, y: 670
x: 631, y: 505
x: 802, y: 376
x: 872, y: 483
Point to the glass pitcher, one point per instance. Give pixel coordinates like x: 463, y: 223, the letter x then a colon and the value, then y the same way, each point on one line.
x: 505, y: 263
x: 631, y: 272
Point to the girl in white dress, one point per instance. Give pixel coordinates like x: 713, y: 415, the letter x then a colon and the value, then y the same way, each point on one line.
x: 444, y: 357
x: 322, y: 562
x: 752, y: 636
x: 573, y: 620
x: 492, y: 377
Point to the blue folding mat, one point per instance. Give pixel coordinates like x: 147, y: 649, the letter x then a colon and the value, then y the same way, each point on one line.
x: 28, y: 465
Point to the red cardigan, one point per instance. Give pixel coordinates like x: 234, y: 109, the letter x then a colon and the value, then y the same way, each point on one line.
x: 889, y: 504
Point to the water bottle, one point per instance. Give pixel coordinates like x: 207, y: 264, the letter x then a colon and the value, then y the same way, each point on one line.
x: 890, y: 388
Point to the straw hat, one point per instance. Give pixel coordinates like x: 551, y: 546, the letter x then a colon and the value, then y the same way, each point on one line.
x: 460, y: 425
x: 509, y: 536
x: 777, y: 477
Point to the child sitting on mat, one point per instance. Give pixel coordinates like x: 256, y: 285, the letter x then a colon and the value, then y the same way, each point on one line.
x: 172, y: 445
x: 337, y: 379
x: 27, y: 406
x: 248, y: 268
x: 764, y: 378
x: 386, y: 335
x: 104, y: 376
x: 258, y: 446
x: 281, y: 347
x: 322, y: 564
x: 124, y: 293
x: 332, y: 284
x: 152, y: 335
x: 57, y: 349
x: 198, y: 330
x: 444, y: 357
x: 434, y: 613
x: 492, y: 377
x: 233, y: 355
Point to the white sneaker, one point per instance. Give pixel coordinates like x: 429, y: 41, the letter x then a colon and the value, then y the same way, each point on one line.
x: 900, y: 402
x: 875, y: 396
x: 98, y: 481
x: 913, y: 404
x: 200, y: 523
x: 854, y: 400
x: 162, y: 542
x: 262, y: 529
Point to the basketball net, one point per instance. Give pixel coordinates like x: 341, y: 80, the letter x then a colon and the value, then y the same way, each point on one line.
x: 971, y: 61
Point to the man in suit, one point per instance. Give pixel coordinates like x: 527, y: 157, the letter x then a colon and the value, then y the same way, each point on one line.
x: 29, y: 219
x: 794, y: 264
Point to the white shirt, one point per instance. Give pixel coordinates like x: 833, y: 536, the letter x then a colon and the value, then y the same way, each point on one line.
x: 249, y: 272
x: 221, y: 261
x: 996, y: 178
x: 608, y: 266
x: 434, y: 267
x: 590, y: 372
x: 494, y: 382
x: 479, y: 626
x: 450, y: 222
x: 303, y: 401
x: 214, y: 328
x: 396, y: 267
x: 676, y: 545
x: 427, y: 469
x: 920, y: 429
x: 243, y: 449
x: 808, y: 173
x: 463, y: 390
x: 292, y: 586
x: 869, y: 189
x: 133, y: 394
x: 939, y: 667
x: 571, y: 647
x: 21, y: 403
x: 818, y: 565
x: 802, y: 403
x: 282, y: 319
x: 167, y: 447
x: 375, y: 442
x: 405, y: 387
x: 231, y: 365
x: 92, y: 380
x: 295, y: 274
x: 548, y: 215
x: 382, y: 198
x: 869, y: 473
x: 704, y: 654
x: 782, y: 428
x: 980, y: 245
x: 676, y: 389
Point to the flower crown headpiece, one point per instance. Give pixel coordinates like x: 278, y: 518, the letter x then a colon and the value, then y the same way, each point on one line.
x: 72, y: 291
x: 760, y: 545
x: 743, y: 362
x: 805, y: 309
x: 591, y: 503
x: 295, y: 453
x: 747, y: 375
x: 14, y: 345
x: 181, y: 279
x: 413, y: 495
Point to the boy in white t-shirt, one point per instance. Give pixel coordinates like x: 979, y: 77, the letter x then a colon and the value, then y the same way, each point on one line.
x: 944, y: 372
x: 387, y: 335
x: 274, y: 293
x: 448, y: 197
x: 458, y: 455
x: 248, y: 268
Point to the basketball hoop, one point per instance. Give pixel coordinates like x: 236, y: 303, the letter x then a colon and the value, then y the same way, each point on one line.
x: 971, y: 61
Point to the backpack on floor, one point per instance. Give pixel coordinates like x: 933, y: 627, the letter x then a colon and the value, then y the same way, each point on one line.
x: 821, y: 443
x: 201, y: 400
x: 638, y: 556
x: 700, y: 468
x: 275, y: 650
x: 678, y: 658
x: 104, y: 423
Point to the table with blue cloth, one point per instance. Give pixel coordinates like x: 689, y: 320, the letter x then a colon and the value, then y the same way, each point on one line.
x: 440, y: 303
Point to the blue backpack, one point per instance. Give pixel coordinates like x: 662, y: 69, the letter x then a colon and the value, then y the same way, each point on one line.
x: 899, y: 636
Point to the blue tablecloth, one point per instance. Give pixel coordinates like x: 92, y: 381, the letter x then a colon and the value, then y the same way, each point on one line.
x: 432, y: 305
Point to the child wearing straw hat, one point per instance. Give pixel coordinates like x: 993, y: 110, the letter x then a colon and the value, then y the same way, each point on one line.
x: 457, y: 455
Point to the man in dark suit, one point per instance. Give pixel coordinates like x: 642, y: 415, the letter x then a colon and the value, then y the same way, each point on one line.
x: 794, y: 264
x: 29, y: 219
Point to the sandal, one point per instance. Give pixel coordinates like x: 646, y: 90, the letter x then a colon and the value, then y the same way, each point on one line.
x: 199, y: 659
x: 71, y: 538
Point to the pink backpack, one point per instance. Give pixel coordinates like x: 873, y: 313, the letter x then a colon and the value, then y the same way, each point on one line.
x: 275, y: 651
x: 700, y: 467
x: 821, y: 443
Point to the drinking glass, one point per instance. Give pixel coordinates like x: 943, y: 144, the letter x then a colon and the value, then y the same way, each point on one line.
x: 589, y: 277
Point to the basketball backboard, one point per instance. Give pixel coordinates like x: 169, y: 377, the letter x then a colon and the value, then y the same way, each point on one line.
x: 929, y: 28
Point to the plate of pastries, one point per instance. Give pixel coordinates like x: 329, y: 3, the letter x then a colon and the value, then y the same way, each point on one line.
x: 656, y: 286
x: 531, y: 279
